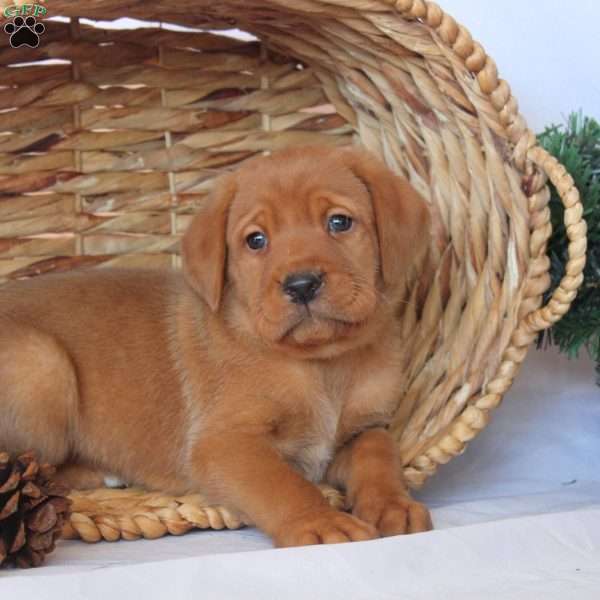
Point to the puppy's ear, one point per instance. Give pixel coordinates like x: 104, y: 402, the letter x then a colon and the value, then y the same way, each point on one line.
x: 401, y: 215
x: 203, y: 247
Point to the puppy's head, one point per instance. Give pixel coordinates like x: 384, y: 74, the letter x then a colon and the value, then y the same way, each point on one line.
x: 306, y: 248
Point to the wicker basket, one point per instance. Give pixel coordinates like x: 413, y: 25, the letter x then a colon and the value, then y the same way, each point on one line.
x: 112, y: 148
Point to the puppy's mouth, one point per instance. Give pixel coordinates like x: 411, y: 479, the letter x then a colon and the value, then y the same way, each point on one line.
x: 339, y: 313
x: 311, y: 328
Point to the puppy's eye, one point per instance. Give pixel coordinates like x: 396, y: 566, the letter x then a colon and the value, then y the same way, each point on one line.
x: 339, y: 223
x: 257, y: 240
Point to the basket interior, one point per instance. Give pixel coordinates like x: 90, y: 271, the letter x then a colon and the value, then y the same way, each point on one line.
x: 109, y: 144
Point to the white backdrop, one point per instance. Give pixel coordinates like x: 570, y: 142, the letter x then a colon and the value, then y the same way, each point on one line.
x: 517, y: 516
x: 547, y: 50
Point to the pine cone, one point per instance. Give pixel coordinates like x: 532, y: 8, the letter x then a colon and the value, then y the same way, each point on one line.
x: 33, y: 509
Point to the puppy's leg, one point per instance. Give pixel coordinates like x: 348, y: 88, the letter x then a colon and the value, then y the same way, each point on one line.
x: 369, y: 469
x: 247, y: 474
x: 38, y: 393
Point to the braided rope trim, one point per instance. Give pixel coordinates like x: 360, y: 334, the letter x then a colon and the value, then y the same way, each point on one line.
x: 131, y: 514
x: 527, y: 156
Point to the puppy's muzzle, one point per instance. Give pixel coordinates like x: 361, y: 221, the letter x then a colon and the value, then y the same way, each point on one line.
x: 302, y: 288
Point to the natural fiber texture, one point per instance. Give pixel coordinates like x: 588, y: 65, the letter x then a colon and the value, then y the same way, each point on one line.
x: 131, y: 514
x: 111, y: 150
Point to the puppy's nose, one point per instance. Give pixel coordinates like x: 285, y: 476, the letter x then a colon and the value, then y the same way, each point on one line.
x: 302, y: 287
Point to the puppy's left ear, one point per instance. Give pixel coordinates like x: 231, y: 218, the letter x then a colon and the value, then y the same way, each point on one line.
x: 401, y: 215
x: 204, y: 248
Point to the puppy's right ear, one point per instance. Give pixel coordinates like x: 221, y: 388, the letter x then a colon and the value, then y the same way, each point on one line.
x: 203, y: 247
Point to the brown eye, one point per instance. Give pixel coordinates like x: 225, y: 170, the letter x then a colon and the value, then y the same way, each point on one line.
x: 256, y: 241
x: 339, y: 223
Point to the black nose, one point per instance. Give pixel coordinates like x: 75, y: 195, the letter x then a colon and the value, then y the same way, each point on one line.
x: 302, y: 287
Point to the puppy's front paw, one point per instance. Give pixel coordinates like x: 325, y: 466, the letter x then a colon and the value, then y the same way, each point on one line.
x: 392, y: 513
x: 326, y: 527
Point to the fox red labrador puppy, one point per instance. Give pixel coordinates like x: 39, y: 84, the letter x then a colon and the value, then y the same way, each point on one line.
x: 269, y: 365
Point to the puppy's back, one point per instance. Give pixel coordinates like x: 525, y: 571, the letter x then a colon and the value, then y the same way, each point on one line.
x: 94, y: 361
x: 114, y: 324
x: 90, y: 299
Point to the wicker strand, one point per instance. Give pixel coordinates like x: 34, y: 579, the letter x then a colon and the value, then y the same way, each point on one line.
x: 77, y: 155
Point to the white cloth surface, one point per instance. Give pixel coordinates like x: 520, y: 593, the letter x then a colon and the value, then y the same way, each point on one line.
x: 517, y: 516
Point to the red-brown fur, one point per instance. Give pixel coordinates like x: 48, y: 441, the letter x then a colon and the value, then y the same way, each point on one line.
x: 215, y: 381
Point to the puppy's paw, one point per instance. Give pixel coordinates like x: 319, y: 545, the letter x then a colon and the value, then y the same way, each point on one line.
x: 392, y: 513
x: 326, y: 527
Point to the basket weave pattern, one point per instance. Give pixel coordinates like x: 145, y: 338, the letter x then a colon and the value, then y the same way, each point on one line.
x: 111, y: 150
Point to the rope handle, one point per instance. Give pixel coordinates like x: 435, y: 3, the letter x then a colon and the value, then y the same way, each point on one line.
x: 576, y: 228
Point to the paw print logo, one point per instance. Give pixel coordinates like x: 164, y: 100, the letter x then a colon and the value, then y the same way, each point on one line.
x: 24, y: 32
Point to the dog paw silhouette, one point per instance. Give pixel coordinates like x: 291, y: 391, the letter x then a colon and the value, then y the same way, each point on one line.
x: 24, y: 32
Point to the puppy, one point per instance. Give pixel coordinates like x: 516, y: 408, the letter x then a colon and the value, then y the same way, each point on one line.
x: 269, y: 365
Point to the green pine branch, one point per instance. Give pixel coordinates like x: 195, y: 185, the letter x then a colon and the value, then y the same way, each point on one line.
x: 577, y: 146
